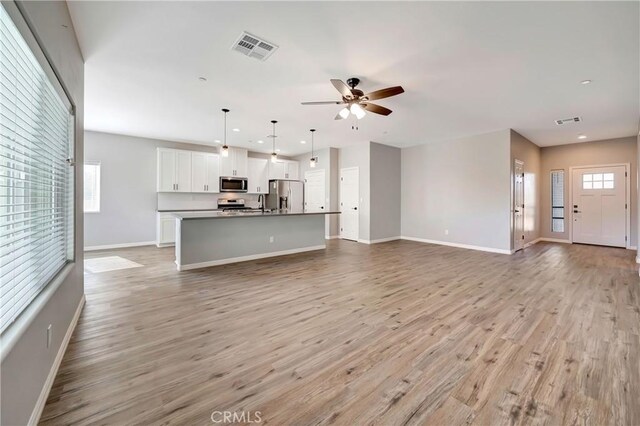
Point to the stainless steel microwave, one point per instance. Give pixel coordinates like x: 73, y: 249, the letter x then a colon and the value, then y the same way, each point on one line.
x: 233, y: 184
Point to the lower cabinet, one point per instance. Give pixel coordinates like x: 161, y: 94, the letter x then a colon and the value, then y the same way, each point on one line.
x: 165, y: 229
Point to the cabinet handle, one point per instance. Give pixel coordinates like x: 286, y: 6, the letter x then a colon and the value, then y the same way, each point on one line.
x: 176, y: 186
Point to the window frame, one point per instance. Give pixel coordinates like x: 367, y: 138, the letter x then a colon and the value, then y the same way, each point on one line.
x: 98, y: 186
x: 13, y: 331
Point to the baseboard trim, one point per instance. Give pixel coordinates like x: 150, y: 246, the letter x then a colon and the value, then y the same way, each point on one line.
x: 637, y: 259
x: 530, y: 243
x: 464, y: 246
x: 632, y: 248
x: 44, y: 394
x: 117, y: 246
x: 331, y: 237
x: 555, y: 240
x: 379, y: 240
x: 247, y: 258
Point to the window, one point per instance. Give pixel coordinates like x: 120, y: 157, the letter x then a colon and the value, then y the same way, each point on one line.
x: 557, y: 201
x: 91, y: 187
x: 597, y: 181
x: 36, y: 181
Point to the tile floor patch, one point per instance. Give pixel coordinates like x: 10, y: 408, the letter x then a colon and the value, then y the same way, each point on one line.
x: 109, y: 263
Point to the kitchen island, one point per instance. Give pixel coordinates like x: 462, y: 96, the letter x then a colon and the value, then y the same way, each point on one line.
x: 217, y: 238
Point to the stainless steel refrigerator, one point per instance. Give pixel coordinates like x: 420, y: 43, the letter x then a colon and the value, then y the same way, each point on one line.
x: 286, y: 195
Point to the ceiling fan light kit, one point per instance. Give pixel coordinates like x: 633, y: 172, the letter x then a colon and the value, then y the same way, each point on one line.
x: 356, y: 101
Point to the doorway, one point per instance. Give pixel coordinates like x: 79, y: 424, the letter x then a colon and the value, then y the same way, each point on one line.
x: 349, y: 203
x: 599, y: 202
x: 314, y: 190
x: 518, y: 205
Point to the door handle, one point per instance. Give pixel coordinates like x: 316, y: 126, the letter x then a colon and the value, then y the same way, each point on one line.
x: 576, y: 211
x: 517, y: 211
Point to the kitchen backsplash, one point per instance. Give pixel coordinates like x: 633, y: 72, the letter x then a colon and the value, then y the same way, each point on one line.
x: 177, y: 201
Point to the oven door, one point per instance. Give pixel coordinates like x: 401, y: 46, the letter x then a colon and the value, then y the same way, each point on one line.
x: 233, y: 184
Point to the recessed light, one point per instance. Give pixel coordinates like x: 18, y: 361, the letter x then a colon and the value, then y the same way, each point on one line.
x: 303, y: 141
x: 277, y: 149
x: 585, y: 82
x: 202, y: 79
x: 582, y: 137
x: 260, y: 141
x: 236, y: 130
x: 217, y: 141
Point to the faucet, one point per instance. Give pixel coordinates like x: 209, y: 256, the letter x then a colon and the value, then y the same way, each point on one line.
x: 261, y: 201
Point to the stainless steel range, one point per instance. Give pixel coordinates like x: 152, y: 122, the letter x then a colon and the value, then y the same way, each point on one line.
x: 234, y: 205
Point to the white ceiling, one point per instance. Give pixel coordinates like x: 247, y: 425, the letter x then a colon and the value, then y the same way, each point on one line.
x: 467, y: 68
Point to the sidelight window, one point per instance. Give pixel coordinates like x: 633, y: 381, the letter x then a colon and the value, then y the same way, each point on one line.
x: 557, y: 201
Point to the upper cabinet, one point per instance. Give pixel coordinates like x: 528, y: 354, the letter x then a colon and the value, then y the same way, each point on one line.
x: 205, y: 172
x: 284, y: 169
x: 236, y: 164
x: 258, y: 178
x: 174, y: 170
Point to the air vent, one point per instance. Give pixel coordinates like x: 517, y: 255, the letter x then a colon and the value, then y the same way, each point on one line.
x: 254, y: 46
x: 568, y: 120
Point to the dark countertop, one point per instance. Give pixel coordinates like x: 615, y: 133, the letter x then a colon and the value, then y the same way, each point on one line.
x: 226, y: 215
x: 188, y: 210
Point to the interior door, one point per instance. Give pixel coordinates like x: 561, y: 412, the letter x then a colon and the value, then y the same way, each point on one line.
x: 599, y: 206
x: 349, y: 204
x: 314, y: 190
x: 518, y: 205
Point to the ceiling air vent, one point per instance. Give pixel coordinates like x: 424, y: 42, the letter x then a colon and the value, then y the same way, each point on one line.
x: 568, y: 120
x: 253, y: 46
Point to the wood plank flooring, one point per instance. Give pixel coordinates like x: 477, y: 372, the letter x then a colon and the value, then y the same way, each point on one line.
x: 390, y: 334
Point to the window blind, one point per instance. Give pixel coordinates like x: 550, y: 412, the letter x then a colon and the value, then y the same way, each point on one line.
x: 36, y: 181
x: 91, y: 187
x: 557, y: 201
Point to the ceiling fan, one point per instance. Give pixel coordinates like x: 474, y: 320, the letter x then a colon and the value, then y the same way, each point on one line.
x: 357, y: 101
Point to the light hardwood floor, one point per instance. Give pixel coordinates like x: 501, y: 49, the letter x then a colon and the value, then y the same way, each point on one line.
x: 390, y: 334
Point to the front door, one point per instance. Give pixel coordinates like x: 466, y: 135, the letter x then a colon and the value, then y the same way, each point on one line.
x: 599, y: 206
x: 349, y: 203
x: 518, y: 205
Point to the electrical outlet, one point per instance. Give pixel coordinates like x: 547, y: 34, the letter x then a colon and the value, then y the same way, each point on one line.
x: 446, y: 232
x: 271, y: 239
x: 49, y: 336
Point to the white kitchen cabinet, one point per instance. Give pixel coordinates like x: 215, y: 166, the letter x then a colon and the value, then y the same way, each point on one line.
x: 284, y: 169
x: 258, y: 176
x: 235, y: 164
x: 205, y: 172
x: 165, y: 229
x: 174, y: 170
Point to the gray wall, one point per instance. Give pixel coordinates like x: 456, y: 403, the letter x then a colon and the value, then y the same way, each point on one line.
x: 128, y: 198
x: 26, y: 366
x: 528, y: 152
x: 612, y: 151
x: 359, y: 156
x: 327, y: 160
x: 462, y: 185
x: 385, y: 191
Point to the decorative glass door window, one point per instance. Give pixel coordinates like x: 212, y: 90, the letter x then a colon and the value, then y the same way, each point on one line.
x: 598, y: 181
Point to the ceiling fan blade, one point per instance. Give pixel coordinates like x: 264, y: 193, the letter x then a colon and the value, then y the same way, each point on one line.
x: 376, y: 109
x: 344, y: 90
x: 323, y: 103
x: 384, y: 93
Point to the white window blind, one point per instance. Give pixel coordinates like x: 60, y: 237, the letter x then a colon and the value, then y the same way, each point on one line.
x: 91, y: 187
x: 557, y: 201
x: 36, y: 182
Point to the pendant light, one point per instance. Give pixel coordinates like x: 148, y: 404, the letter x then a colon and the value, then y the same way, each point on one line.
x: 313, y: 161
x: 274, y: 154
x: 225, y: 148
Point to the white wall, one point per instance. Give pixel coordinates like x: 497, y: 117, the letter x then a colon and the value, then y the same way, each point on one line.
x: 462, y: 186
x: 27, y: 362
